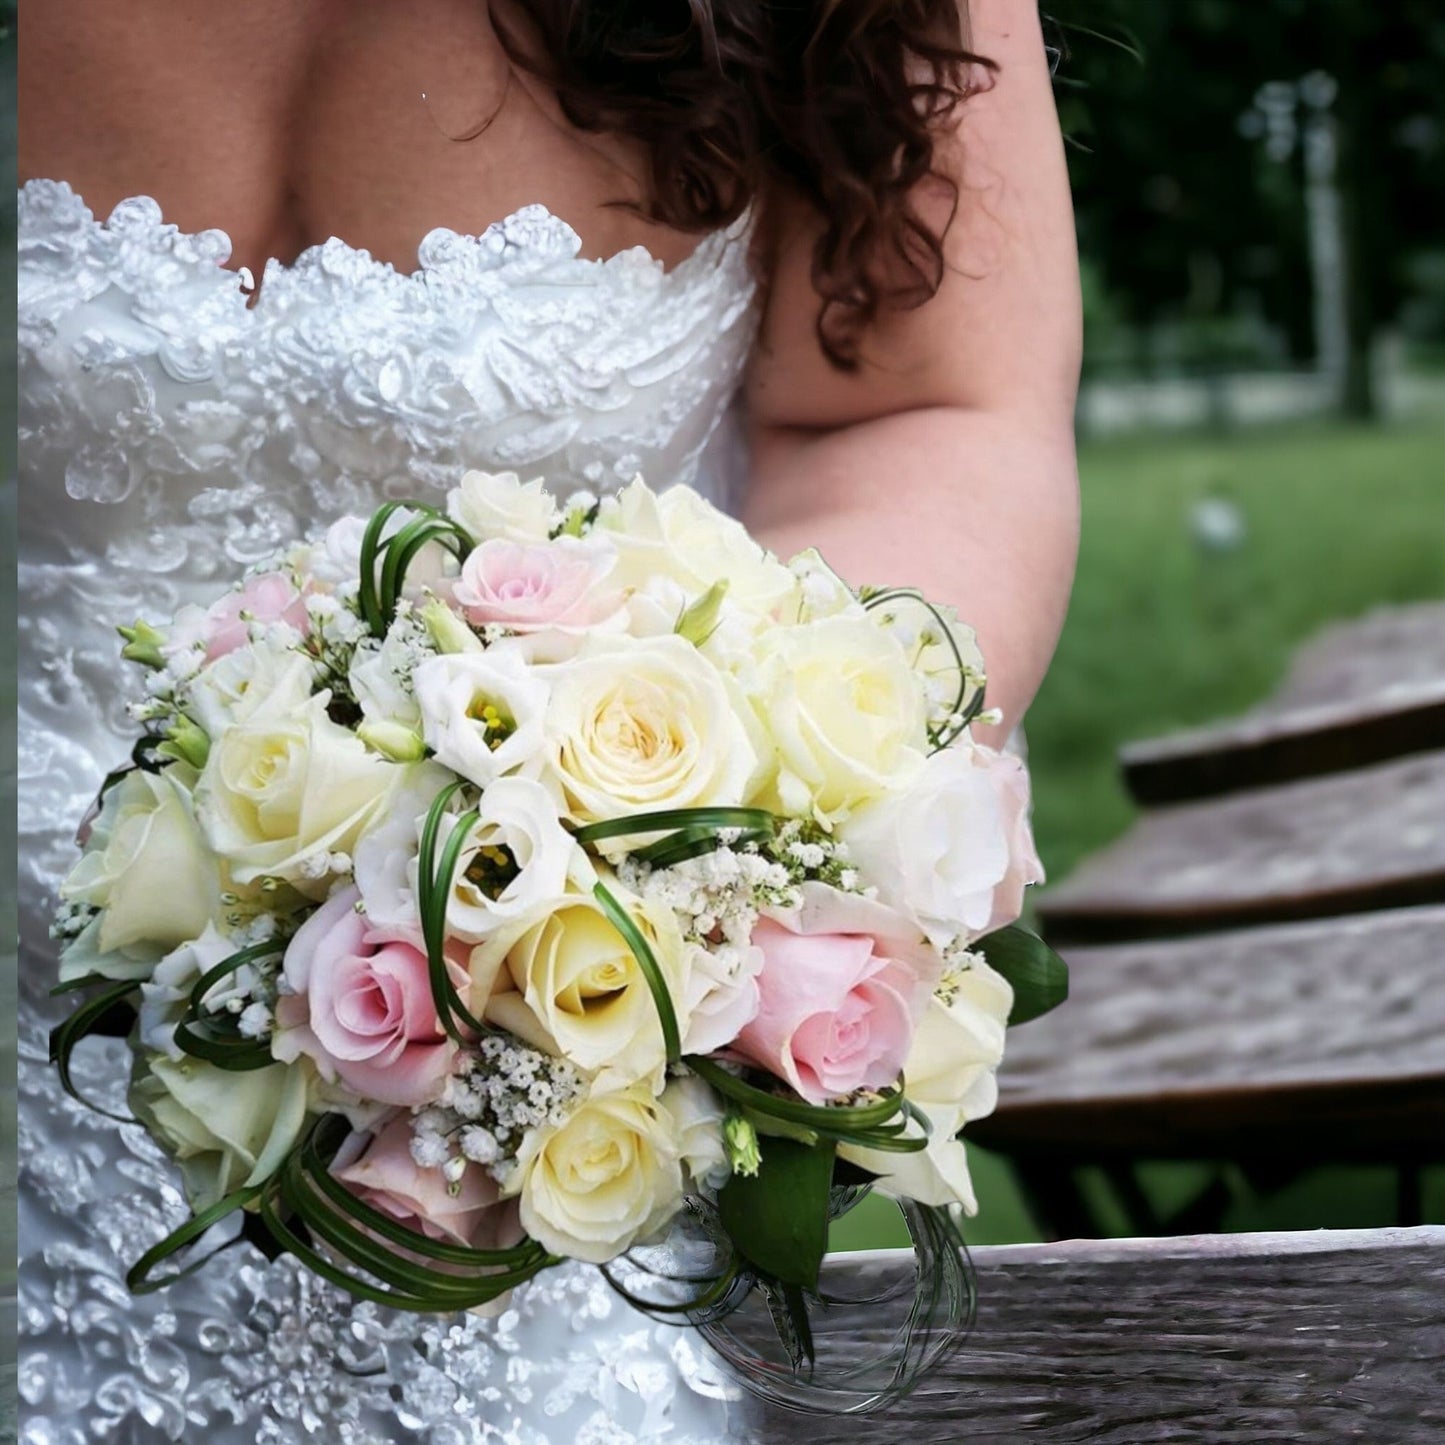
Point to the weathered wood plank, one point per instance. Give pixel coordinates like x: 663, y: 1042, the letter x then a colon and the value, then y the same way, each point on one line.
x: 1369, y: 839
x: 1392, y: 650
x: 1284, y: 1041
x: 1217, y: 1340
x: 1270, y: 746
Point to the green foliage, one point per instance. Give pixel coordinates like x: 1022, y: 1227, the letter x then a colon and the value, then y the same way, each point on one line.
x: 778, y: 1217
x: 1038, y: 976
x: 1180, y: 208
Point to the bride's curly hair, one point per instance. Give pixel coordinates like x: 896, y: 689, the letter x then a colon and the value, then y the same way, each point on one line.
x: 837, y: 101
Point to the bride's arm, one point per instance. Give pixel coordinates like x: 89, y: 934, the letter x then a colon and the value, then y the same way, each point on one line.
x: 947, y: 461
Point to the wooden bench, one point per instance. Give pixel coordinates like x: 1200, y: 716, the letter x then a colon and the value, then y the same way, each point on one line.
x: 1331, y: 1031
x: 1258, y: 973
x: 1297, y: 1337
x: 1359, y: 693
x: 1371, y: 838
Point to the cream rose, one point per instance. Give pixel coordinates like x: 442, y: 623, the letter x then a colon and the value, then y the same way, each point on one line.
x: 950, y: 1074
x: 608, y: 1176
x: 225, y: 1129
x: 147, y: 868
x: 482, y: 713
x: 846, y: 712
x: 500, y: 504
x: 638, y: 724
x: 679, y: 534
x: 570, y: 985
x: 280, y: 794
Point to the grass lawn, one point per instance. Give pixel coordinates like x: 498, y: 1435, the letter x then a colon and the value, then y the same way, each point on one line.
x: 1164, y: 633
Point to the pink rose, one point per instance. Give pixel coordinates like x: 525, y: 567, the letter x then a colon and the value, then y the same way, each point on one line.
x: 843, y: 984
x: 362, y: 1007
x: 527, y: 586
x: 379, y: 1169
x: 271, y: 597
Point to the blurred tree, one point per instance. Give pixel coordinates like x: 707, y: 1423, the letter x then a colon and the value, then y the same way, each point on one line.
x: 1187, y: 214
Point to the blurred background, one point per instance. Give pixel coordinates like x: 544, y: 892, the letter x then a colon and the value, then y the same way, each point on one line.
x: 1260, y: 192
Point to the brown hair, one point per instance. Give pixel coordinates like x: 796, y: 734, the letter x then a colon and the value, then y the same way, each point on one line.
x: 837, y: 101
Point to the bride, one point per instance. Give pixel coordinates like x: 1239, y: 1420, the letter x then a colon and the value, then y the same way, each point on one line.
x: 815, y: 259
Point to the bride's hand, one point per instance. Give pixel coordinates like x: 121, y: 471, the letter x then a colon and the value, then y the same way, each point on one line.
x: 946, y: 461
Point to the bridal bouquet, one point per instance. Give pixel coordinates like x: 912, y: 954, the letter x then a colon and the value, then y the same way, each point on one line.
x: 533, y: 880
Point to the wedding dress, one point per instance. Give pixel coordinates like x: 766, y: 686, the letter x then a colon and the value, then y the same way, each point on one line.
x: 171, y: 434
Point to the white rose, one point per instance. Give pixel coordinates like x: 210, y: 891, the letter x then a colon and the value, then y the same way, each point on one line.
x: 165, y: 994
x: 723, y: 994
x: 337, y: 561
x: 225, y: 1129
x: 385, y: 857
x: 655, y: 608
x: 638, y: 724
x: 607, y: 1177
x: 697, y: 1119
x: 499, y: 504
x: 822, y: 592
x: 280, y: 792
x: 570, y: 985
x: 681, y: 535
x: 246, y: 682
x: 147, y: 867
x: 845, y: 711
x: 517, y: 858
x: 482, y: 712
x: 951, y: 1076
x: 380, y: 677
x: 942, y: 848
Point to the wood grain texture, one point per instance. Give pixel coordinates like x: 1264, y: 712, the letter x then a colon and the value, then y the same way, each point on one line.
x: 1374, y: 838
x: 1270, y: 746
x: 1217, y: 1340
x: 1285, y: 1040
x: 1387, y: 652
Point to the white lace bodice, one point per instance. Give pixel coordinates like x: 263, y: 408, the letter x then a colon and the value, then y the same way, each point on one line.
x: 170, y: 434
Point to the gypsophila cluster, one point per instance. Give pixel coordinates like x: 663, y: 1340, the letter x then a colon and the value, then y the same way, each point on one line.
x: 958, y: 959
x: 71, y: 920
x: 716, y: 896
x: 807, y: 852
x: 499, y: 1092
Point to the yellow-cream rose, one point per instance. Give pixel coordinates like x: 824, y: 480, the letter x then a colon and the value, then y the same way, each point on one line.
x: 679, y: 534
x: 570, y: 985
x: 846, y: 713
x: 608, y: 1176
x: 280, y: 794
x: 638, y: 724
x: 147, y: 867
x: 225, y: 1129
x: 951, y: 1076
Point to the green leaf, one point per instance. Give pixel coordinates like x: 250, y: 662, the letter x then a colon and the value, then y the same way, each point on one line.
x: 778, y: 1217
x: 698, y: 621
x: 717, y: 816
x: 1040, y: 978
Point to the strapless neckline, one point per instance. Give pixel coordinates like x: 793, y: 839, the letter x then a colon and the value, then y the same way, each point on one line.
x: 440, y: 247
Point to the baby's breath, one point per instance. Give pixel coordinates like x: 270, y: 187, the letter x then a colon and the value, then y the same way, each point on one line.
x: 500, y: 1092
